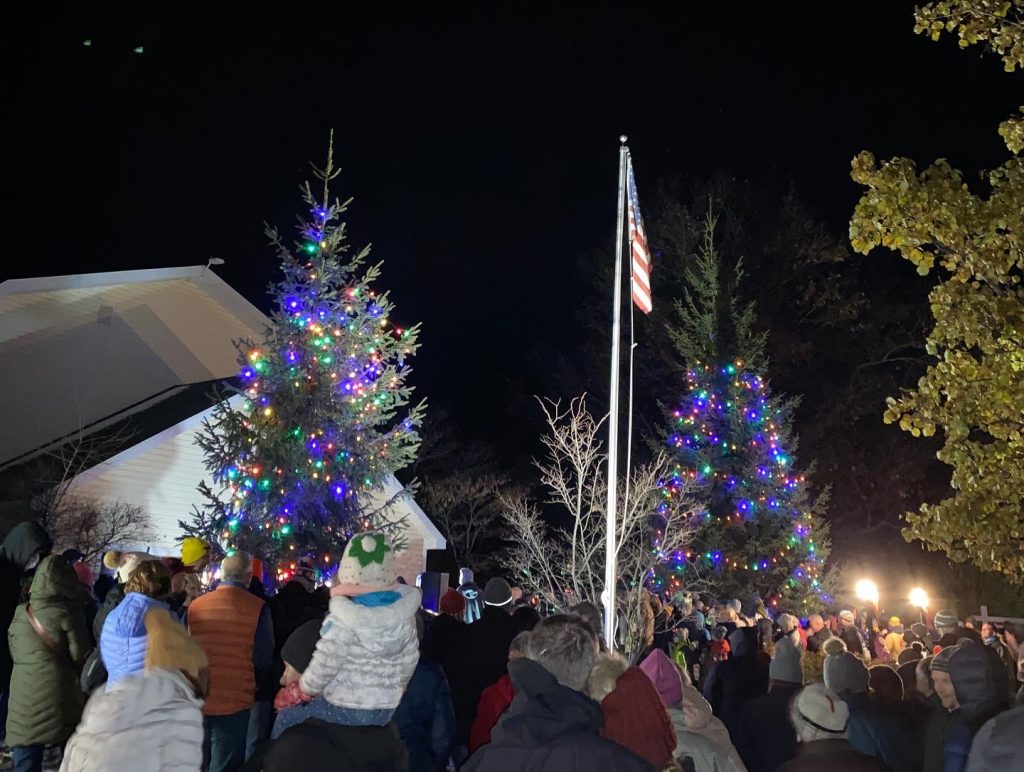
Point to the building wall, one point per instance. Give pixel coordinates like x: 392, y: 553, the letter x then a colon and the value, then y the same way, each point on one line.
x: 161, y: 474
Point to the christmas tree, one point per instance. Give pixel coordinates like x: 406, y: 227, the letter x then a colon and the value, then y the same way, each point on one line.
x: 760, y: 531
x: 320, y: 417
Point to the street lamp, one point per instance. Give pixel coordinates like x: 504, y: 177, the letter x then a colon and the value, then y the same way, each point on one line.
x: 867, y: 591
x: 919, y: 598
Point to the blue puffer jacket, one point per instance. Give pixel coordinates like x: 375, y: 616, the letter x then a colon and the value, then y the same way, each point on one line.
x: 123, y: 640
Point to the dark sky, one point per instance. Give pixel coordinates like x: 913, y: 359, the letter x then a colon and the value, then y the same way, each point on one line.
x: 480, y: 144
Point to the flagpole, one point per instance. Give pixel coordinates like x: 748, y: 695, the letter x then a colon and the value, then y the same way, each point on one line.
x: 613, y: 414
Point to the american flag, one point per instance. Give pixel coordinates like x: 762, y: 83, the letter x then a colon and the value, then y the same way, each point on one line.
x: 640, y: 253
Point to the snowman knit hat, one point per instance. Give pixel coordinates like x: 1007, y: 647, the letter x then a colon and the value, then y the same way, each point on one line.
x: 367, y: 565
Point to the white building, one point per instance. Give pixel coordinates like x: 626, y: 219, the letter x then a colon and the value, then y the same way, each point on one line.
x: 85, y: 352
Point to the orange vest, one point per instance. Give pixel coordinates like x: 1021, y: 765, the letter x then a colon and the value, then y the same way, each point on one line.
x: 224, y: 622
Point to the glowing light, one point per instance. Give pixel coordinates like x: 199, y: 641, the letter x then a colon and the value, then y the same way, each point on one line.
x: 867, y: 590
x: 919, y: 597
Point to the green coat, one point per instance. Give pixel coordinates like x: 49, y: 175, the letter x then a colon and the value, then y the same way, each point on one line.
x: 45, y: 698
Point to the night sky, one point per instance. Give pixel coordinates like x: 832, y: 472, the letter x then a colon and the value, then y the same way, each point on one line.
x: 480, y: 144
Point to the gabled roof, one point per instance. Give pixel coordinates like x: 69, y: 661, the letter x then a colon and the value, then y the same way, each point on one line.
x: 83, y: 351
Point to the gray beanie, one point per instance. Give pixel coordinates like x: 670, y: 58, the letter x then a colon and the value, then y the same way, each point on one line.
x: 786, y: 663
x: 497, y: 592
x: 945, y: 619
x: 845, y: 672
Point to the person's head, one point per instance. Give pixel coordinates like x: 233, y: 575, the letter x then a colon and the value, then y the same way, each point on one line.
x: 1014, y: 634
x: 845, y: 672
x: 988, y: 630
x: 815, y: 623
x: 151, y: 578
x: 590, y: 614
x: 123, y: 564
x: 923, y: 677
x: 26, y: 545
x: 367, y: 565
x: 195, y: 553
x: 517, y: 649
x: 719, y: 633
x: 169, y: 647
x: 817, y: 713
x: 237, y: 568
x: 465, y: 576
x: 912, y: 653
x: 946, y: 622
x: 833, y: 646
x: 453, y: 604
x: 305, y: 574
x: 565, y: 647
x: 665, y: 676
x: 787, y: 623
x: 970, y: 677
x: 525, y: 618
x: 726, y: 615
x: 885, y: 683
x: 498, y: 593
x: 895, y: 624
x: 298, y: 650
x: 847, y: 618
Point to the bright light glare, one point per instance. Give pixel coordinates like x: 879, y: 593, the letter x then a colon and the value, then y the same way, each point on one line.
x: 867, y: 590
x: 919, y: 598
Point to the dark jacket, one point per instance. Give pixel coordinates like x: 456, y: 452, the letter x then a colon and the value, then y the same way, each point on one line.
x: 981, y: 690
x: 447, y: 644
x: 45, y: 699
x: 765, y: 738
x: 832, y: 756
x: 876, y: 732
x: 425, y: 719
x: 484, y: 661
x: 816, y: 641
x: 854, y: 640
x: 24, y: 542
x: 731, y: 684
x: 111, y: 601
x: 318, y: 745
x: 550, y: 728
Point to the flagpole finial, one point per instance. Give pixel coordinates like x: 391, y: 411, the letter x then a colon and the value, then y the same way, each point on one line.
x: 623, y: 138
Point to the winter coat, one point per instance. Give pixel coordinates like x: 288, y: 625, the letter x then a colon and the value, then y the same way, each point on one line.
x: 816, y: 641
x: 766, y: 738
x: 874, y: 731
x: 731, y: 684
x: 550, y: 728
x: 980, y: 686
x: 317, y: 746
x: 474, y: 602
x: 999, y: 744
x: 832, y: 756
x: 447, y: 643
x: 894, y: 643
x: 365, y: 655
x: 110, y: 602
x: 123, y: 640
x: 854, y: 641
x: 290, y: 608
x: 494, y: 701
x: 701, y: 736
x: 634, y: 715
x: 485, y: 660
x: 24, y: 542
x: 146, y: 722
x: 45, y: 698
x: 425, y: 719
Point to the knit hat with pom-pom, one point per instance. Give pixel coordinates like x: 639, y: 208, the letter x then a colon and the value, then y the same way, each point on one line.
x: 123, y: 563
x: 367, y: 565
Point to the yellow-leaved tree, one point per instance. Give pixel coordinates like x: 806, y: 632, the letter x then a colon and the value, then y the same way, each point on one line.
x: 973, y: 392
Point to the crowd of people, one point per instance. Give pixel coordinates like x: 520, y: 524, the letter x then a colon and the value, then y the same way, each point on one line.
x: 146, y: 668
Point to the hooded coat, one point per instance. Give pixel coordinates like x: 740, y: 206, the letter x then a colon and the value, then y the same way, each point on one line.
x: 146, y: 722
x: 999, y: 744
x: 318, y: 745
x: 550, y: 728
x: 24, y: 542
x: 365, y: 655
x: 701, y: 736
x: 45, y: 698
x: 980, y: 686
x: 876, y: 732
x: 733, y: 683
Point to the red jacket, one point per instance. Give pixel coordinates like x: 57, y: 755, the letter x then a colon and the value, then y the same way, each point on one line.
x: 494, y: 700
x: 635, y: 718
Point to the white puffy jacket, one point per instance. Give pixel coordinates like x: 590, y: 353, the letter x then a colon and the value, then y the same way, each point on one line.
x: 146, y: 722
x: 365, y: 655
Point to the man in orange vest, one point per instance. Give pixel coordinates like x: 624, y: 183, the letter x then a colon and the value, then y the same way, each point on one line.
x: 234, y: 628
